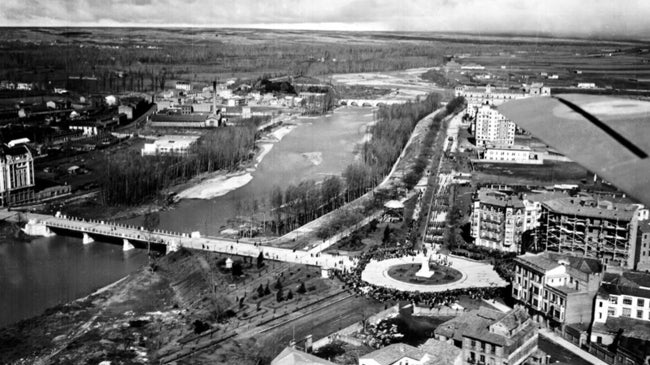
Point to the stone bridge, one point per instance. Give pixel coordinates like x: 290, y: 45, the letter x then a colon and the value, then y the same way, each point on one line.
x: 131, y: 236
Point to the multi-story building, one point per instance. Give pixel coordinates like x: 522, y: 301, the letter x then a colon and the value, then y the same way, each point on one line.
x: 170, y: 145
x: 643, y: 246
x: 490, y: 337
x: 511, y: 154
x: 556, y: 287
x: 490, y: 95
x: 584, y: 226
x: 497, y: 220
x: 492, y: 127
x: 17, y: 180
x: 622, y: 303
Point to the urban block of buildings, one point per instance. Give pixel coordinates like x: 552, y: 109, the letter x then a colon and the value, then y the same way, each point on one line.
x: 432, y: 352
x: 491, y: 337
x: 623, y: 302
x: 556, y: 287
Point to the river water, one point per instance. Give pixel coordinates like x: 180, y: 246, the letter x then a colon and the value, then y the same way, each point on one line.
x: 49, y: 271
x: 316, y: 148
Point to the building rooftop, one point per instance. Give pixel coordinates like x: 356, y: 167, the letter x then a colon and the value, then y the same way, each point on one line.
x: 589, y: 207
x: 498, y: 198
x: 490, y: 326
x: 16, y: 150
x: 292, y: 356
x: 180, y: 118
x: 455, y: 327
x: 508, y: 147
x: 390, y: 354
x: 542, y: 197
x: 578, y: 267
x: 442, y: 353
x: 631, y: 327
x: 626, y: 283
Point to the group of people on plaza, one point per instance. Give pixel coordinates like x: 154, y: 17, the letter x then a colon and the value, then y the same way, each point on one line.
x: 353, y: 281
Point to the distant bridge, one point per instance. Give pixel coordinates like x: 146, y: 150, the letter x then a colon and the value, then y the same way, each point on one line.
x: 131, y: 236
x: 370, y: 102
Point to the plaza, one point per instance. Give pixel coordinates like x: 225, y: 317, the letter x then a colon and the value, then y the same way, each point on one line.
x: 474, y: 275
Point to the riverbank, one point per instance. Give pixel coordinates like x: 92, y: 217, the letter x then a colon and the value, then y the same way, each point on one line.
x: 221, y: 182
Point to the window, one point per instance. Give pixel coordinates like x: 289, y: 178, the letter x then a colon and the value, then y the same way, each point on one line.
x: 613, y: 299
x: 611, y: 311
x: 600, y: 304
x: 627, y: 301
x: 600, y: 316
x: 627, y: 312
x: 640, y: 303
x: 639, y: 314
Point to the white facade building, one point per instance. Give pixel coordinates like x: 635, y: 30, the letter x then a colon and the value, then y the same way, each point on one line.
x: 512, y: 154
x: 492, y: 127
x: 176, y: 145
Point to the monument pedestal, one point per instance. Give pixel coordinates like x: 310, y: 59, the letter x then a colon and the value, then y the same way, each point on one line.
x: 425, y: 271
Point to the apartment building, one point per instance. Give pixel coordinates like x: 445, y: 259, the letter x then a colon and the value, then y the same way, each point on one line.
x: 622, y: 303
x: 584, y: 226
x: 559, y: 288
x: 497, y: 220
x: 493, y: 128
x: 490, y: 337
x: 17, y: 180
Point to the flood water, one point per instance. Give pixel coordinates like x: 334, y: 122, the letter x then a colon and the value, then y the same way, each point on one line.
x: 49, y: 271
x: 316, y: 148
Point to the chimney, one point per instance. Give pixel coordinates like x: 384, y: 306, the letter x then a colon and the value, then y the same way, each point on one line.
x: 214, y: 97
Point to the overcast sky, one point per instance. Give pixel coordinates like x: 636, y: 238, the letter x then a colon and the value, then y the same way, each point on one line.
x: 621, y: 18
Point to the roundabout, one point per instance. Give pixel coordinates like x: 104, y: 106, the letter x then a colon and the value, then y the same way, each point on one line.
x: 408, y: 273
x: 399, y: 274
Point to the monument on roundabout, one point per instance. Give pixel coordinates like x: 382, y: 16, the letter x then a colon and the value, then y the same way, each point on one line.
x: 425, y: 271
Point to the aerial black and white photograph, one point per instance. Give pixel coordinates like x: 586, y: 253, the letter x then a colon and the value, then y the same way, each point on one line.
x: 341, y: 182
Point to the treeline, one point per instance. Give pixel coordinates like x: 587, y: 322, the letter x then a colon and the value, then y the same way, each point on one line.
x: 140, y: 69
x: 298, y: 204
x: 130, y: 179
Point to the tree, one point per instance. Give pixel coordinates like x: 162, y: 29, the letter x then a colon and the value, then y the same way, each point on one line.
x: 267, y: 291
x: 278, y: 285
x: 236, y: 269
x: 386, y: 234
x: 260, y: 260
x: 151, y: 222
x: 301, y: 288
x: 279, y: 296
x: 289, y: 295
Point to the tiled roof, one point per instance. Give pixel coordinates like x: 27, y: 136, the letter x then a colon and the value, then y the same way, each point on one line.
x: 585, y: 207
x: 390, y: 354
x: 577, y: 267
x: 631, y: 327
x: 456, y: 327
x: 441, y: 353
x: 497, y: 198
x: 292, y: 356
x: 627, y: 283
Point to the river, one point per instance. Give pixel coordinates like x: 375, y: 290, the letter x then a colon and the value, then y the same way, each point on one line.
x: 317, y: 147
x: 49, y: 271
